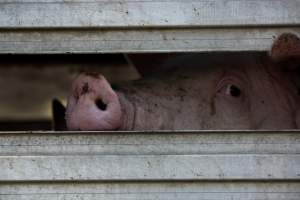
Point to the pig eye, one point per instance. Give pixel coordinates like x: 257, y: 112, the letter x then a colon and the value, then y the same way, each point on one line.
x: 233, y: 90
x: 230, y: 90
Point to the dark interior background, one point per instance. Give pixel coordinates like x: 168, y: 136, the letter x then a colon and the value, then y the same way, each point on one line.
x: 28, y: 83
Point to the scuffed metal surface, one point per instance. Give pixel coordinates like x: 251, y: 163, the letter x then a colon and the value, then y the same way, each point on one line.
x: 93, y: 26
x: 150, y: 165
x: 190, y: 39
x: 160, y: 156
x: 152, y: 190
x: 140, y: 13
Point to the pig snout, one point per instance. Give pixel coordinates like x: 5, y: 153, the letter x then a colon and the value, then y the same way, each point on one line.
x: 93, y: 105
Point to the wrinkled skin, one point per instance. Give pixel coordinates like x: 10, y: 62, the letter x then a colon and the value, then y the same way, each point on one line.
x: 200, y: 91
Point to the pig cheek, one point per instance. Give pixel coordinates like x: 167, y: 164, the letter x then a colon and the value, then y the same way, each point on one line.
x: 230, y: 113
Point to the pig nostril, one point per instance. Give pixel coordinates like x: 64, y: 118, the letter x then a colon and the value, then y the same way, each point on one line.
x: 85, y: 89
x: 101, y: 105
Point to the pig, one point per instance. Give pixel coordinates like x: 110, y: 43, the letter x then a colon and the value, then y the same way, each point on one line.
x: 227, y: 91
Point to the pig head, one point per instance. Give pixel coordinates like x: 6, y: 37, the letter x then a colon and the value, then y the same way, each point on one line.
x: 196, y: 91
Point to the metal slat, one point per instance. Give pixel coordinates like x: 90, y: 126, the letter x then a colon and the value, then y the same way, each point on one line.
x: 152, y: 190
x: 183, y: 165
x: 147, y: 13
x: 143, y: 40
x: 133, y: 143
x: 129, y: 26
x: 150, y: 167
x: 161, y: 156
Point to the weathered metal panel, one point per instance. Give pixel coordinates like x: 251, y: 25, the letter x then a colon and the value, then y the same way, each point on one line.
x: 150, y: 156
x: 152, y: 190
x: 144, y: 143
x: 147, y: 13
x: 215, y: 165
x: 149, y: 167
x: 123, y: 26
x: 139, y: 40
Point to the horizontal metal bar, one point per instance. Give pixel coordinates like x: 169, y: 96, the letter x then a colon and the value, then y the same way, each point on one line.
x: 144, y: 165
x: 142, y: 40
x: 152, y: 190
x: 147, y: 13
x: 150, y: 167
x: 154, y: 132
x: 149, y: 143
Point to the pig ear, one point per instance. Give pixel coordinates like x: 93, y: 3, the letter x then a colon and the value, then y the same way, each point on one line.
x: 58, y: 112
x: 149, y: 64
x: 286, y: 47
